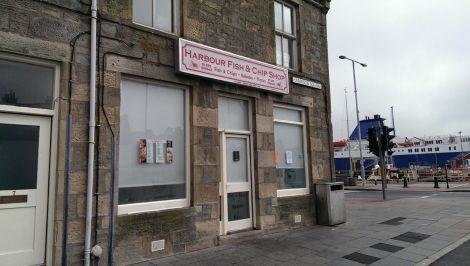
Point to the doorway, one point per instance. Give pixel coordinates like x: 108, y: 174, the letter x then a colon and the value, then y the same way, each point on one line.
x: 25, y: 143
x: 237, y: 193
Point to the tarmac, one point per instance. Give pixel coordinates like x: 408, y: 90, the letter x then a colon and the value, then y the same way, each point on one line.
x: 405, y: 231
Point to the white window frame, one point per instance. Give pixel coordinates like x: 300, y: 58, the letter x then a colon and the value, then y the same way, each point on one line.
x: 32, y: 110
x: 285, y: 35
x: 295, y: 191
x: 175, y: 18
x: 154, y: 206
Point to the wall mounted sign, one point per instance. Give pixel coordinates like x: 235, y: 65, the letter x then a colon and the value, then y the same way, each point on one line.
x: 306, y: 82
x: 205, y: 61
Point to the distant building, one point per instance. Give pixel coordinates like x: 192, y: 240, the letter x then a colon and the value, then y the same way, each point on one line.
x: 212, y: 117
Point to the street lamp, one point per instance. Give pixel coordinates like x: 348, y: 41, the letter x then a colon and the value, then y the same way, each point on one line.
x: 349, y: 144
x: 461, y: 149
x: 359, y: 135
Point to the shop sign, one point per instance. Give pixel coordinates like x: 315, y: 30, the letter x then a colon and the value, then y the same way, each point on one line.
x: 306, y: 82
x: 205, y: 61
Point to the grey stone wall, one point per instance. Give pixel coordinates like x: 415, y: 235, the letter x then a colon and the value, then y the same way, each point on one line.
x: 45, y: 29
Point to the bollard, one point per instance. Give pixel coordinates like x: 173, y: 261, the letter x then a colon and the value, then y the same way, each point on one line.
x: 375, y: 181
x: 447, y: 176
x: 405, y: 182
x: 436, y: 184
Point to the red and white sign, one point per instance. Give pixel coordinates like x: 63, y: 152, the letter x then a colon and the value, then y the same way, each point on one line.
x: 205, y: 61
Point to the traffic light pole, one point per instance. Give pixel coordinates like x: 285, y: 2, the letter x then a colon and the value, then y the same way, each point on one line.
x: 382, y: 162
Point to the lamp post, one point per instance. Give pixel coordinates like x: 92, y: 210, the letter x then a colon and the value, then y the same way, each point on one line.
x: 461, y: 149
x: 359, y: 135
x: 347, y: 126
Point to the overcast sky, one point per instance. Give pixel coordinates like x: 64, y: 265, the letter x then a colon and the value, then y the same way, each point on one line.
x: 418, y: 57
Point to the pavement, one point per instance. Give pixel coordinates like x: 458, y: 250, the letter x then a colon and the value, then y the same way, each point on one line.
x: 413, y: 186
x: 411, y: 228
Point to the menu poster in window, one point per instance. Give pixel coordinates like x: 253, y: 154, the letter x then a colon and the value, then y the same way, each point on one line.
x: 276, y: 157
x: 169, y: 151
x: 142, y: 151
x: 150, y: 150
x: 289, y: 157
x: 160, y: 151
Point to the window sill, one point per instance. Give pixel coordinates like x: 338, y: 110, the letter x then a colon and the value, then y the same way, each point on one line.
x: 282, y: 193
x: 156, y: 31
x: 147, y: 207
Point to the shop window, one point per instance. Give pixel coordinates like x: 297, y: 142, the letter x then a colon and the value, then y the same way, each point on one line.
x: 153, y: 147
x: 158, y: 14
x: 285, y: 30
x: 290, y: 151
x: 26, y: 85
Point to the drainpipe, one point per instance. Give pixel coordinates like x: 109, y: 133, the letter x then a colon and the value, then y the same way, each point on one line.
x: 91, y: 132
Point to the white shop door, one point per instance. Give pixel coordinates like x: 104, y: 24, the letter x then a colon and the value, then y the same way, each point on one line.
x: 237, y: 180
x: 24, y: 177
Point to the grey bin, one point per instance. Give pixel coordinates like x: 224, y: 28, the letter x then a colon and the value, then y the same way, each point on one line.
x: 330, y: 203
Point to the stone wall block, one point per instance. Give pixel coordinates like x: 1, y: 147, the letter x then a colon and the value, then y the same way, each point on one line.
x: 205, y: 155
x: 80, y: 155
x: 206, y: 193
x: 316, y: 144
x: 80, y: 113
x: 264, y: 106
x: 204, y: 95
x: 112, y: 79
x: 205, y: 117
x: 208, y: 228
x: 206, y: 174
x: 206, y: 136
x: 78, y: 182
x: 80, y: 91
x: 76, y: 232
x: 80, y: 133
x: 267, y: 190
x: 264, y: 141
x: 265, y: 158
x: 267, y: 221
x: 45, y: 49
x: 125, y: 65
x: 264, y: 124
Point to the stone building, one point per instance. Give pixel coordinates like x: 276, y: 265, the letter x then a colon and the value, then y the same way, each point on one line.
x: 212, y: 117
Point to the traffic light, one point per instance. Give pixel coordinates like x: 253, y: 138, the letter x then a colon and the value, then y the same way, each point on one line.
x: 386, y: 138
x: 373, y: 144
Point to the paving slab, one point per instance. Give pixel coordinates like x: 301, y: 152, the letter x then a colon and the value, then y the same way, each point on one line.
x: 435, y: 223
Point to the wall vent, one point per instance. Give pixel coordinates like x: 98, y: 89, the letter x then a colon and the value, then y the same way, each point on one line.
x: 157, y: 245
x: 298, y: 219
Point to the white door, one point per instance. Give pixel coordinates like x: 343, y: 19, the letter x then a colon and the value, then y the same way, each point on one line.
x: 237, y: 183
x: 24, y: 176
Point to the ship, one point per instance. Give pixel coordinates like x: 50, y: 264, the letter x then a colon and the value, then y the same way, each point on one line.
x: 408, y: 152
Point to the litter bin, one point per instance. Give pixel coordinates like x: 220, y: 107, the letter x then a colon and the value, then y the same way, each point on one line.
x: 330, y: 203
